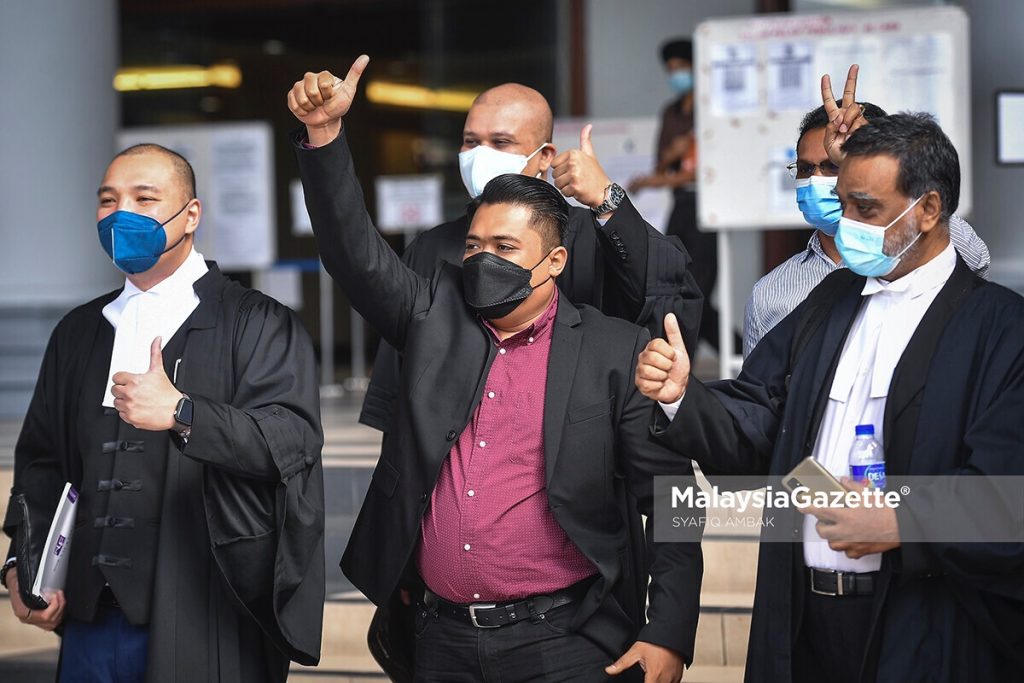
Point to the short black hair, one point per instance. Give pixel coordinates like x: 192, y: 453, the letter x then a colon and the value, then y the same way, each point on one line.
x: 182, y: 168
x: 549, y: 212
x: 679, y: 48
x: 926, y: 157
x: 816, y: 118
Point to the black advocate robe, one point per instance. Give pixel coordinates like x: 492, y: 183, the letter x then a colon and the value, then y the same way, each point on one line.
x: 597, y: 450
x: 239, y: 581
x: 943, y: 611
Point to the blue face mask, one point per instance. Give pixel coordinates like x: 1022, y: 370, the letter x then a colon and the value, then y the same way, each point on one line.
x: 860, y: 245
x: 135, y: 242
x: 681, y: 81
x: 818, y: 204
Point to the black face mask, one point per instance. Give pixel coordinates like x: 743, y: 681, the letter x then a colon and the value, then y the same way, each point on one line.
x: 494, y: 287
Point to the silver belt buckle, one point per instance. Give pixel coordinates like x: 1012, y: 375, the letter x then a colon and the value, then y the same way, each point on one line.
x: 839, y: 582
x: 481, y: 605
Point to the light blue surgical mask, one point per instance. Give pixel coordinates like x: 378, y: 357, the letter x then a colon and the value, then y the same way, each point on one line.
x: 681, y: 81
x: 860, y: 245
x: 818, y: 203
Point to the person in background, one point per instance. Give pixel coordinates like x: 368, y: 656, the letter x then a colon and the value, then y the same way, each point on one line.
x: 816, y: 170
x: 676, y: 168
x: 185, y: 410
x: 617, y: 262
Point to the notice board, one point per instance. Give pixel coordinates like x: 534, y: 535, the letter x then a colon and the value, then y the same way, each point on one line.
x: 757, y: 76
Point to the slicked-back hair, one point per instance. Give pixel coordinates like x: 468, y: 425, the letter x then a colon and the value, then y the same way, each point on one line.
x: 182, y: 168
x: 926, y: 157
x: 549, y: 212
x: 817, y: 118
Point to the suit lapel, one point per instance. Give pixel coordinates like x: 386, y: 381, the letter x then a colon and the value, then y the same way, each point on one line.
x: 911, y: 373
x: 837, y: 327
x: 566, y: 336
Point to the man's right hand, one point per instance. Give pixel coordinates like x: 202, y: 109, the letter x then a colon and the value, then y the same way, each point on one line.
x: 321, y: 100
x: 47, y: 619
x: 663, y: 369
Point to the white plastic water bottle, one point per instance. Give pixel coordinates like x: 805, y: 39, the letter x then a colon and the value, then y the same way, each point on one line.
x: 867, y: 462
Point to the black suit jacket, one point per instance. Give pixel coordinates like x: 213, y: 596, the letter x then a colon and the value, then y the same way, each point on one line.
x: 595, y: 422
x: 625, y: 268
x: 943, y: 611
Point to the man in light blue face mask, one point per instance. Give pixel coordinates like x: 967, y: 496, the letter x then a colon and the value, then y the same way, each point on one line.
x: 816, y: 171
x: 908, y: 343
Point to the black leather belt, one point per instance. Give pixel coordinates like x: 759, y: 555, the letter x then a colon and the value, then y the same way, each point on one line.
x: 837, y: 584
x: 495, y: 615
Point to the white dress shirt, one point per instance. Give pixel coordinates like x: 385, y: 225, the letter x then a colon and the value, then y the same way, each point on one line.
x: 139, y: 317
x: 877, y: 339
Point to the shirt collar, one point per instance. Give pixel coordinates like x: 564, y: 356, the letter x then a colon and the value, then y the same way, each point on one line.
x: 177, y: 284
x: 539, y: 326
x: 918, y: 281
x: 814, y: 248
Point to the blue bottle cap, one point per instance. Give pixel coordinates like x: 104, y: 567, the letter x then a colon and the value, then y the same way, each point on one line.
x: 865, y: 430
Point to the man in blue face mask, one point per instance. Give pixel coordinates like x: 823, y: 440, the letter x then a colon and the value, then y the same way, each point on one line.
x: 184, y: 409
x: 816, y: 170
x: 909, y: 341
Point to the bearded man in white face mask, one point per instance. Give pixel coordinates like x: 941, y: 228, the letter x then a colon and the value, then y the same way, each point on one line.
x: 617, y: 262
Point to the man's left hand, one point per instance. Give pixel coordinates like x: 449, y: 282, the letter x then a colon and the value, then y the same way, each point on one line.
x: 577, y: 173
x: 839, y: 526
x: 660, y: 664
x: 147, y: 401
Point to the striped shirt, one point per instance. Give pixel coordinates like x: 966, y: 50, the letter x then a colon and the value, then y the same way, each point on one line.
x: 780, y: 291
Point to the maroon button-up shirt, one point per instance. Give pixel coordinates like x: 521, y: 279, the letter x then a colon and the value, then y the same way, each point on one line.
x: 489, y: 535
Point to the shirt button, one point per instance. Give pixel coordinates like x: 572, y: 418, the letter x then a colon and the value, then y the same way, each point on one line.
x: 476, y: 596
x: 471, y: 493
x: 490, y: 394
x: 465, y: 547
x: 501, y: 351
x: 483, y: 444
x: 530, y: 340
x: 451, y: 435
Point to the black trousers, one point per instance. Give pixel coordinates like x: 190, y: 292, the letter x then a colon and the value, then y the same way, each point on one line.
x: 452, y: 651
x: 833, y: 638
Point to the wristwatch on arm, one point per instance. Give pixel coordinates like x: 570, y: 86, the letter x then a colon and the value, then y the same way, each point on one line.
x: 613, y: 196
x: 183, y: 418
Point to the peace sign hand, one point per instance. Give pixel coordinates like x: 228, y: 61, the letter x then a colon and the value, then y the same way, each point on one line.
x: 842, y: 120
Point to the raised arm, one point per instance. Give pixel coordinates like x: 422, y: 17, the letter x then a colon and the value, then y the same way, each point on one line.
x: 381, y: 288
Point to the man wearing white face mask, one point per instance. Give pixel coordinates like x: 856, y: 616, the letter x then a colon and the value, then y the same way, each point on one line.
x: 617, y: 262
x: 776, y: 294
x: 909, y: 341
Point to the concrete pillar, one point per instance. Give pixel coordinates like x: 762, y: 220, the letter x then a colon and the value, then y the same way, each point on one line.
x: 58, y: 118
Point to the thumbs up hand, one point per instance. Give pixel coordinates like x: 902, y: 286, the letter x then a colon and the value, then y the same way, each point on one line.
x: 577, y: 173
x: 663, y: 369
x: 320, y: 100
x: 148, y: 400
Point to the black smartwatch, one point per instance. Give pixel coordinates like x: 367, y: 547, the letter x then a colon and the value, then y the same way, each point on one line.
x: 183, y: 417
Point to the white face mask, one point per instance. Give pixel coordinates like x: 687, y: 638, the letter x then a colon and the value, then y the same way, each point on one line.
x: 482, y: 164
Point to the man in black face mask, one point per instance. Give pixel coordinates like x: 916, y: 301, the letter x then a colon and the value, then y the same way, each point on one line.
x: 517, y: 442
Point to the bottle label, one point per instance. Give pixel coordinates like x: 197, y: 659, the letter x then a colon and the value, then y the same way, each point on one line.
x: 873, y: 473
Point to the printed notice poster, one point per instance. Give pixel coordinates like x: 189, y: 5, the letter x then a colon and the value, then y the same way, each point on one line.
x: 240, y: 200
x: 917, y: 67
x: 408, y: 202
x: 734, y: 79
x: 792, y: 83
